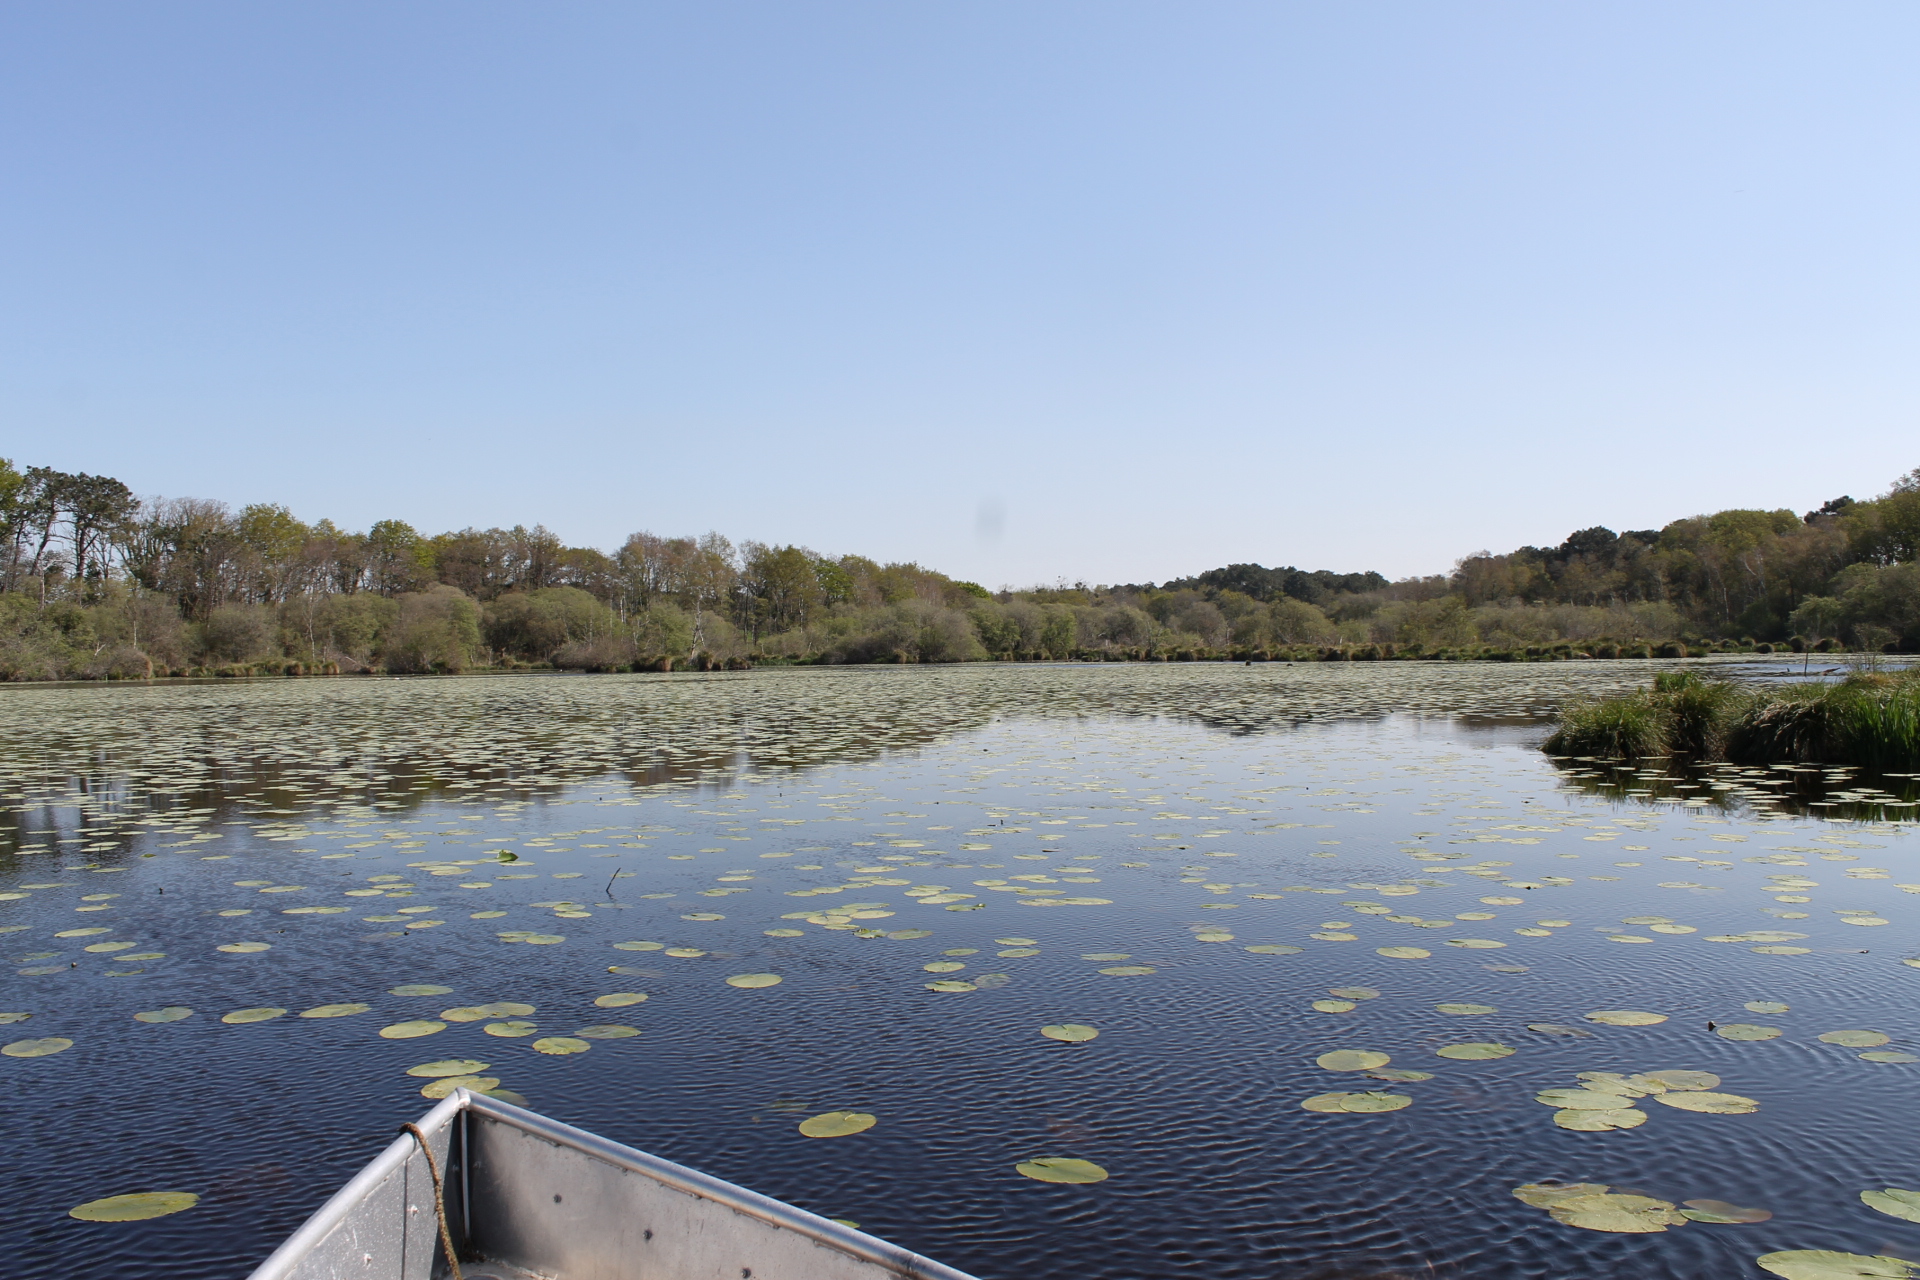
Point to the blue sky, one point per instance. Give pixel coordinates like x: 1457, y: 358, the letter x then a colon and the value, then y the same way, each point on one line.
x: 1107, y: 291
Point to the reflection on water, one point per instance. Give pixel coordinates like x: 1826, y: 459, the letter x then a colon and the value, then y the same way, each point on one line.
x: 936, y: 864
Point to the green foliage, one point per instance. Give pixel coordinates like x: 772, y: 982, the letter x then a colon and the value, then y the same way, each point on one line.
x: 1611, y: 727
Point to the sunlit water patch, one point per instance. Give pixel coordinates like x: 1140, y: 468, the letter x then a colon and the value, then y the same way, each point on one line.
x: 925, y: 951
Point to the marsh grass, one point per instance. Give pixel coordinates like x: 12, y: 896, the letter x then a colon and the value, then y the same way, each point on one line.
x: 1870, y: 719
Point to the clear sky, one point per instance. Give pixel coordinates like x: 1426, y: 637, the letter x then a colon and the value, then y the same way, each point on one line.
x: 1109, y: 291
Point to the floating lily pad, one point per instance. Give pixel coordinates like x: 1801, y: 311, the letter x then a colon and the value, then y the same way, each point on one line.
x: 1584, y: 1121
x: 1129, y: 970
x: 619, y: 999
x: 510, y: 1028
x: 1894, y: 1202
x: 837, y: 1124
x: 607, y: 1031
x: 951, y: 984
x: 1855, y: 1039
x: 1475, y: 1052
x: 1069, y: 1032
x: 420, y: 989
x: 444, y: 1087
x: 1889, y: 1055
x: 448, y: 1067
x: 1829, y: 1264
x: 1475, y: 944
x: 335, y: 1010
x: 1058, y: 1169
x: 1398, y: 1075
x: 1625, y: 1017
x: 1464, y: 1010
x: 264, y: 1014
x: 1722, y: 1212
x: 1761, y: 1006
x: 135, y: 1206
x: 1544, y: 1195
x: 1352, y: 1060
x: 1354, y: 993
x: 1333, y: 1006
x: 172, y: 1013
x: 754, y: 981
x: 560, y: 1046
x: 1403, y: 953
x: 1615, y: 1212
x: 1686, y: 1080
x: 1747, y: 1031
x: 1578, y: 1099
x: 412, y: 1030
x: 245, y: 948
x: 45, y: 1047
x: 1709, y: 1102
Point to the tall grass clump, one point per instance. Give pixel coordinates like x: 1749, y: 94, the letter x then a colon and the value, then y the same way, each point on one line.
x: 1870, y: 719
x: 1633, y: 725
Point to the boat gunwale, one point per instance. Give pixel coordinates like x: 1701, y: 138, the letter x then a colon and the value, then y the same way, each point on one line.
x: 826, y: 1232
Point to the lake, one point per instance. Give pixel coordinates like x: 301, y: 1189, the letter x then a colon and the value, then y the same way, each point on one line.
x: 935, y: 863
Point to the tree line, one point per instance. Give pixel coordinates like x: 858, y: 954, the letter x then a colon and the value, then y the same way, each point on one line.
x: 97, y: 583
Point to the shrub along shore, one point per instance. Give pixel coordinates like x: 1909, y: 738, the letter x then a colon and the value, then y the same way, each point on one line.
x: 1870, y: 719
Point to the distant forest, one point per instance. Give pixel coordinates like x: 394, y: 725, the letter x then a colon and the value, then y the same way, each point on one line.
x: 96, y: 583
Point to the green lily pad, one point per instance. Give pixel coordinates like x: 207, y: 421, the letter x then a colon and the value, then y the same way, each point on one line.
x: 1128, y: 970
x: 1894, y: 1202
x: 1465, y: 1010
x: 1625, y: 1017
x: 1069, y: 1032
x: 45, y: 1047
x: 607, y: 1031
x: 1059, y: 1169
x: 1830, y: 1264
x: 560, y: 1046
x: 754, y: 981
x: 618, y: 1000
x: 264, y: 1014
x: 1475, y: 1052
x: 448, y: 1067
x: 172, y: 1013
x: 1616, y: 1212
x: 1722, y: 1212
x: 412, y: 1030
x: 1856, y: 1039
x: 1710, y: 1103
x: 1686, y: 1080
x: 135, y: 1206
x: 444, y: 1087
x: 510, y: 1028
x: 837, y: 1124
x: 1354, y: 993
x: 1762, y: 1006
x: 1889, y: 1055
x: 335, y: 1010
x: 1747, y: 1031
x: 420, y: 989
x: 1585, y: 1121
x: 1352, y: 1060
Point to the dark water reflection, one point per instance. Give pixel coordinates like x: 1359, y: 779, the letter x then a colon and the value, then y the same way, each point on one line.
x: 1332, y: 792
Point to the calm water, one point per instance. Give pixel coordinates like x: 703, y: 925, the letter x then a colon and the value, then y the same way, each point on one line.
x: 355, y: 828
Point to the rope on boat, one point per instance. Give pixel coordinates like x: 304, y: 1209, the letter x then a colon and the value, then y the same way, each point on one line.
x: 439, y: 1197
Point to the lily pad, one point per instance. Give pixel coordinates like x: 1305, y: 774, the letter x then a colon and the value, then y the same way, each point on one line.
x: 1722, y: 1212
x: 607, y: 1031
x: 444, y: 1087
x: 1760, y: 1006
x: 618, y: 1000
x: 951, y: 984
x: 412, y: 1030
x: 1544, y: 1195
x: 134, y: 1206
x: 1894, y: 1202
x: 420, y: 989
x: 560, y: 1046
x: 510, y: 1028
x: 1069, y: 1032
x: 754, y: 981
x: 1352, y: 1060
x: 1059, y: 1169
x: 1583, y: 1121
x: 1686, y: 1080
x: 1578, y: 1099
x: 1856, y: 1039
x: 172, y: 1013
x: 1830, y: 1264
x: 335, y: 1010
x: 1465, y: 1010
x: 1709, y: 1102
x: 1354, y: 993
x: 1889, y: 1055
x: 1475, y: 1052
x: 264, y: 1014
x: 45, y: 1047
x: 1616, y: 1212
x: 1333, y: 1006
x: 1402, y: 953
x: 1747, y: 1031
x: 448, y: 1067
x: 837, y: 1124
x: 1128, y: 970
x: 1625, y: 1017
x: 481, y: 1012
x: 1356, y: 1103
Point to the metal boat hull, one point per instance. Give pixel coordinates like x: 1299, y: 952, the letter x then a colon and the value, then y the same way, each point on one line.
x: 526, y: 1196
